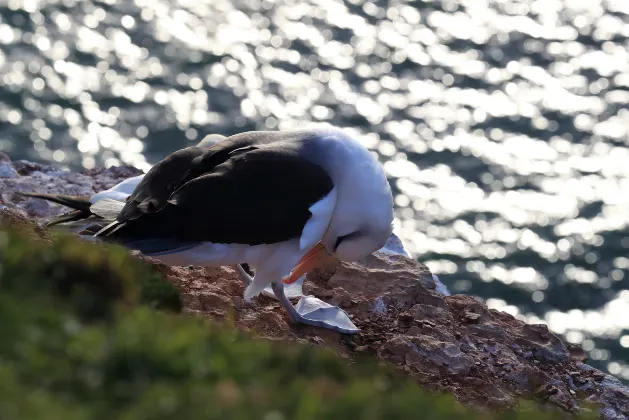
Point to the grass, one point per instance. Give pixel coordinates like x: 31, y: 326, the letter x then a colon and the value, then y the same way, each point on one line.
x: 89, y: 332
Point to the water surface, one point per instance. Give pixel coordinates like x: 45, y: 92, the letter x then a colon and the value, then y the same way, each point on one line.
x: 502, y: 124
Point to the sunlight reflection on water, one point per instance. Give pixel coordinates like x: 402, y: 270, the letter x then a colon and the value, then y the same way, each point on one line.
x: 502, y: 124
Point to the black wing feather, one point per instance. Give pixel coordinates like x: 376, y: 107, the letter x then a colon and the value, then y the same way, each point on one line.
x: 232, y: 193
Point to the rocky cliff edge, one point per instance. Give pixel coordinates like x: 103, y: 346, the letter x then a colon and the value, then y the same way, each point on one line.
x: 486, y: 358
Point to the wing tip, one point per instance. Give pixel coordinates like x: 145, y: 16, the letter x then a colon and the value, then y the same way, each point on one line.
x: 110, y: 228
x: 72, y: 216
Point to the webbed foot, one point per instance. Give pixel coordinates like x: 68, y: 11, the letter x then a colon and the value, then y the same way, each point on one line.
x: 315, y: 312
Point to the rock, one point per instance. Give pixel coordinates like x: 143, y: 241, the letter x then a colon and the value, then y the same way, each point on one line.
x: 6, y: 167
x: 394, y: 278
x: 27, y: 176
x: 423, y: 311
x: 608, y: 392
x: 394, y: 245
x: 12, y: 218
x: 7, y: 170
x: 455, y: 344
x: 438, y: 356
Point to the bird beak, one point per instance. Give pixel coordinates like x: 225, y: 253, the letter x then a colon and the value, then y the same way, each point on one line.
x: 316, y: 257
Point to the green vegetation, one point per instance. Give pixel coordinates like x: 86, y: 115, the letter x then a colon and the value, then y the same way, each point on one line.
x: 89, y: 332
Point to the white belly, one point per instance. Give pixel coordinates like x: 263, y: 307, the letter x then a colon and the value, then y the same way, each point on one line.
x: 277, y: 259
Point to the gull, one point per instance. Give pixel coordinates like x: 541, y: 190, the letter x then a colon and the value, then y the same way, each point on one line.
x: 284, y: 202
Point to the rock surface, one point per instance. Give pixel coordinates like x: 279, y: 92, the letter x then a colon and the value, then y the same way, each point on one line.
x: 455, y: 344
x: 23, y: 176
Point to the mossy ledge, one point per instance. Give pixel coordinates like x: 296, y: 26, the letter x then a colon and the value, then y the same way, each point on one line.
x: 89, y: 332
x: 95, y: 331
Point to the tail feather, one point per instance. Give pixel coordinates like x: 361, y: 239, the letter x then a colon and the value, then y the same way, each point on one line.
x: 90, y: 230
x: 72, y: 216
x: 110, y: 228
x: 74, y: 202
x: 80, y: 205
x: 154, y: 247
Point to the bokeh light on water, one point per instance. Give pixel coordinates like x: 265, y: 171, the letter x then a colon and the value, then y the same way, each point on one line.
x: 503, y: 125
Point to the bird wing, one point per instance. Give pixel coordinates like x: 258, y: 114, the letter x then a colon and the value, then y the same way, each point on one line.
x: 107, y: 208
x: 163, y: 179
x: 238, y: 193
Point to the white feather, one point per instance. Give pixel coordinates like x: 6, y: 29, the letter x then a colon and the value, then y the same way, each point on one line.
x: 120, y: 191
x: 364, y: 199
x: 110, y: 195
x: 318, y: 223
x: 270, y: 261
x: 107, y: 208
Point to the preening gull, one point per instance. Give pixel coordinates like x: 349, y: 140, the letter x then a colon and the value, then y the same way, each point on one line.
x: 283, y: 202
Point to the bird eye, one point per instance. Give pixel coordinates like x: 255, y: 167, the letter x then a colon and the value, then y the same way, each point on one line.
x: 342, y: 238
